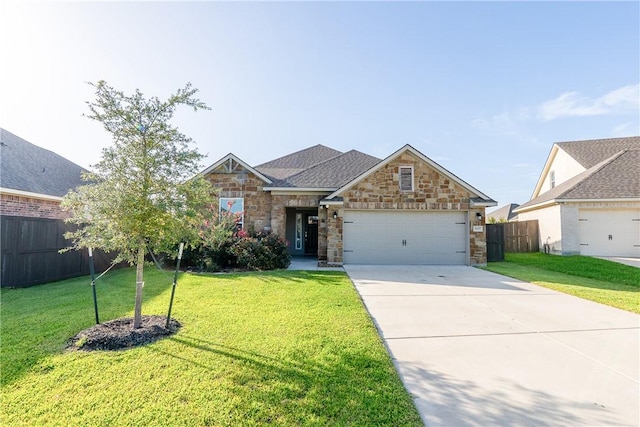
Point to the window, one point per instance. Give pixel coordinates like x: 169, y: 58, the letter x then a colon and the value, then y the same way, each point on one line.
x: 235, y: 206
x: 406, y: 178
x: 298, y: 231
x: 552, y: 178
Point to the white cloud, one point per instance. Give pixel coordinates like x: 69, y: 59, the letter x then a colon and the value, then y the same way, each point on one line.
x: 573, y: 104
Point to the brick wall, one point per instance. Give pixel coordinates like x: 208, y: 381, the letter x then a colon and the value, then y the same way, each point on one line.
x: 14, y: 205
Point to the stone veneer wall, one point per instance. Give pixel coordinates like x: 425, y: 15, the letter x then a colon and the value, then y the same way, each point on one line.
x: 14, y: 205
x: 257, y: 202
x: 432, y: 191
x: 280, y: 202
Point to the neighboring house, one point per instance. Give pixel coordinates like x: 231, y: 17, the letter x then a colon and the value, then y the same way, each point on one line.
x: 587, y: 199
x: 504, y: 214
x: 32, y: 183
x: 354, y: 208
x: 32, y: 179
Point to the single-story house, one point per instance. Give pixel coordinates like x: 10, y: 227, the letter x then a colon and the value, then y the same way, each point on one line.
x: 587, y: 199
x: 503, y: 214
x: 353, y: 208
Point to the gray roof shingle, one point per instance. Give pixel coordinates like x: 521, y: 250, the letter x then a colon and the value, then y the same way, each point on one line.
x: 27, y: 167
x: 334, y: 172
x: 297, y: 162
x: 590, y: 153
x: 617, y: 177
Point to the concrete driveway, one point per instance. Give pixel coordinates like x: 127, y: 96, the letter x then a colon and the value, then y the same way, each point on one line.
x: 479, y: 349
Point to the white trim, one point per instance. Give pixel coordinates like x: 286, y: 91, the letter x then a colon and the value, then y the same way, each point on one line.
x: 486, y: 204
x: 420, y: 156
x: 22, y: 193
x: 289, y: 190
x: 545, y: 171
x: 238, y: 160
x: 331, y: 202
x: 564, y: 201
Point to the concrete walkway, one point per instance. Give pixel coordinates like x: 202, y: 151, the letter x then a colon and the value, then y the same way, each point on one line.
x: 478, y: 349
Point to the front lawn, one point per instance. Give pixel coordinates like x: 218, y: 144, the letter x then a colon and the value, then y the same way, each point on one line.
x: 284, y: 348
x: 603, y: 281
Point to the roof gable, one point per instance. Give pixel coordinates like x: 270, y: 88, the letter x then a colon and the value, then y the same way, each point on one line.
x: 617, y: 177
x: 29, y: 168
x: 232, y: 164
x: 478, y: 196
x: 584, y: 155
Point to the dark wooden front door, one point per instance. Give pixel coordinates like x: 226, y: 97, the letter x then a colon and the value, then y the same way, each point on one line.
x: 311, y: 234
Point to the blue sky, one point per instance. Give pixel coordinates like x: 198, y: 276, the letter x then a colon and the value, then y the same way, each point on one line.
x: 483, y: 88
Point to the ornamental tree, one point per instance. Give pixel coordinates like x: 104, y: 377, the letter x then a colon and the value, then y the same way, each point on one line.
x: 145, y: 193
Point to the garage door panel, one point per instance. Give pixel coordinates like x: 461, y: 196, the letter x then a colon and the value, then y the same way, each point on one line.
x: 609, y: 232
x: 399, y: 237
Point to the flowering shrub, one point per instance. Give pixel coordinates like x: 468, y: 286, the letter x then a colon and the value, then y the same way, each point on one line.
x: 225, y: 246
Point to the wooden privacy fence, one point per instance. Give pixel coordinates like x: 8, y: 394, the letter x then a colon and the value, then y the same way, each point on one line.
x: 30, y: 253
x: 512, y: 237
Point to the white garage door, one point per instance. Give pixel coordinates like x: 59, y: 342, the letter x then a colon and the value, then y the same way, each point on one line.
x: 609, y: 233
x: 392, y: 237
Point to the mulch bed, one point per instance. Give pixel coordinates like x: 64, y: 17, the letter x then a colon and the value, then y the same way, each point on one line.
x: 119, y: 334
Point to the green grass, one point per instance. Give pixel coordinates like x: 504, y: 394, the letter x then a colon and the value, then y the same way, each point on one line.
x: 594, y: 279
x: 285, y: 348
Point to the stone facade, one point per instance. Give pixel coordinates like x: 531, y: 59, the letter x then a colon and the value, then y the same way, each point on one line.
x: 15, y: 205
x: 279, y: 203
x: 432, y: 191
x: 257, y: 202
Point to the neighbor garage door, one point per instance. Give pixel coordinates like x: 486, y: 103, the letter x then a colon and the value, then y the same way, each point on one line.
x: 392, y: 237
x: 609, y: 233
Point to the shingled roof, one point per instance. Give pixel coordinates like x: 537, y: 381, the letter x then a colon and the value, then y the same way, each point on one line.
x: 27, y: 167
x: 617, y: 177
x: 316, y: 167
x: 297, y: 162
x: 334, y: 172
x: 590, y: 153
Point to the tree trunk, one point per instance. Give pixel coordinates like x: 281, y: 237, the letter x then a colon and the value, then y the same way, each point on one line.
x: 137, y: 319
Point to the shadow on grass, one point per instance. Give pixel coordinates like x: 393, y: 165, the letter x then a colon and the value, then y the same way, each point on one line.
x: 39, y: 320
x: 349, y: 387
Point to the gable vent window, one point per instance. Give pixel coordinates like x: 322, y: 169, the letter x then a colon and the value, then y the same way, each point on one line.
x: 552, y: 178
x: 406, y: 178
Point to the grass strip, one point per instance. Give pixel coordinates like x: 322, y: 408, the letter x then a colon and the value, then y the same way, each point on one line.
x: 598, y: 280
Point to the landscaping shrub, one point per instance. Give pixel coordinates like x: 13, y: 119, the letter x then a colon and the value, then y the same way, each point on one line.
x: 262, y: 252
x: 225, y: 248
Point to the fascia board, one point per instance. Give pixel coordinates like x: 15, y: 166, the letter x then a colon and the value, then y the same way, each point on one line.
x: 29, y: 194
x: 545, y: 170
x: 564, y: 201
x: 237, y: 159
x: 305, y: 190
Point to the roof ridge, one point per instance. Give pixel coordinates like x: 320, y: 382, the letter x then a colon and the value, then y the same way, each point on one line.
x: 321, y: 163
x: 296, y: 152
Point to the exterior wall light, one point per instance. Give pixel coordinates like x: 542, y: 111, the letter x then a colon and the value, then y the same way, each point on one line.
x: 478, y: 216
x: 335, y: 215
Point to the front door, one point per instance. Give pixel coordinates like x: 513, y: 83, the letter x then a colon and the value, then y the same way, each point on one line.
x: 311, y: 234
